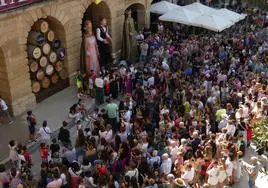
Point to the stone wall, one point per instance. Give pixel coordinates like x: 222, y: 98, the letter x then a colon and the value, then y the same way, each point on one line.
x: 15, y: 84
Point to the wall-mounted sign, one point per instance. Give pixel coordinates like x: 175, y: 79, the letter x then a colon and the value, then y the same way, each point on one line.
x: 7, y: 5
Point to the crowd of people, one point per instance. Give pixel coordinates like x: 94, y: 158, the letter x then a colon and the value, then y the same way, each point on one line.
x: 184, y: 117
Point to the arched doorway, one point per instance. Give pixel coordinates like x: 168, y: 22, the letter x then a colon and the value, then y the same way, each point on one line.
x: 95, y: 12
x: 4, y: 85
x: 138, y: 14
x: 46, y: 55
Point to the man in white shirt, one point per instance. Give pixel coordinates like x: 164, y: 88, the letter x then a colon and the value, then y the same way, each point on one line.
x: 4, y: 111
x: 144, y: 50
x: 231, y: 128
x: 127, y: 114
x: 99, y: 90
x: 165, y: 167
x: 188, y: 175
x: 154, y: 159
x: 213, y: 174
x: 44, y: 133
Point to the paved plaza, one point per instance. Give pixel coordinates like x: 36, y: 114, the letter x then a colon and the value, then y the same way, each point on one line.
x: 55, y: 110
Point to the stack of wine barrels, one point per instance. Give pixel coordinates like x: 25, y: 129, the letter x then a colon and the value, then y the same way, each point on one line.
x: 46, y: 57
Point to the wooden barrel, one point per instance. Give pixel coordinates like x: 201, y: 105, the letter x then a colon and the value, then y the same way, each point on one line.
x: 52, y: 57
x: 36, y: 87
x: 43, y: 26
x: 33, y: 66
x: 40, y: 74
x: 45, y: 83
x: 46, y: 48
x: 50, y: 36
x: 36, y: 38
x: 56, y: 43
x: 61, y: 53
x: 63, y: 74
x: 43, y: 61
x: 54, y: 78
x: 49, y: 70
x: 34, y: 52
x: 58, y: 66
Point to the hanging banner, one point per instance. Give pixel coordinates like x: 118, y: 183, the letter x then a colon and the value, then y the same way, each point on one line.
x: 7, y: 5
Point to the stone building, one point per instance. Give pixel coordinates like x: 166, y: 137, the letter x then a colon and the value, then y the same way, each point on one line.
x: 65, y: 18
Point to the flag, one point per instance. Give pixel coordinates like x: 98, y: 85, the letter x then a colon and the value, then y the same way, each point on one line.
x: 97, y: 1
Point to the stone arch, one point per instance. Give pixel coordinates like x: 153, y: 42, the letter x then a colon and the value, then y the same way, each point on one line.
x: 60, y: 34
x: 53, y: 13
x: 4, y: 83
x: 95, y: 12
x: 138, y: 14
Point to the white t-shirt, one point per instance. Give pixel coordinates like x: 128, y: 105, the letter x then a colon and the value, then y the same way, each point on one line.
x: 44, y: 133
x: 63, y: 178
x: 132, y: 173
x: 213, y: 176
x: 3, y: 105
x: 55, y: 184
x: 151, y: 81
x: 127, y: 116
x: 230, y: 129
x: 165, y: 167
x: 230, y: 167
x: 99, y: 82
x: 188, y: 175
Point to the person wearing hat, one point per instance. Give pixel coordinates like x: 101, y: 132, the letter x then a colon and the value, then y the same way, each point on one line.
x: 179, y: 183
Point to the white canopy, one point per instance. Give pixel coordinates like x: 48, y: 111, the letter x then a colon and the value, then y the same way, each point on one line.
x: 163, y: 7
x: 180, y: 15
x: 212, y: 22
x: 228, y: 15
x: 199, y: 8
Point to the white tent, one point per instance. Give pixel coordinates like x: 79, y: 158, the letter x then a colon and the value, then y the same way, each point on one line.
x: 163, y: 7
x: 199, y: 8
x: 180, y: 15
x: 212, y: 22
x: 228, y: 15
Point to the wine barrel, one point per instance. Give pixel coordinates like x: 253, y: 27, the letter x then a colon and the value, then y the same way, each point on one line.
x: 46, y: 48
x: 43, y: 61
x: 61, y: 53
x: 33, y: 66
x: 56, y: 43
x: 49, y: 70
x: 36, y: 38
x: 40, y: 74
x: 54, y: 78
x: 42, y: 25
x: 63, y: 74
x: 58, y: 66
x: 50, y: 36
x: 34, y: 52
x: 45, y: 83
x: 52, y: 57
x: 36, y: 87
